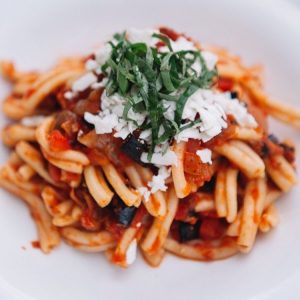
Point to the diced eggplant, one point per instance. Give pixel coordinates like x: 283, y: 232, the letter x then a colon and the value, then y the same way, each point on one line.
x: 273, y: 139
x: 123, y: 214
x: 133, y: 148
x: 188, y: 232
x: 234, y: 95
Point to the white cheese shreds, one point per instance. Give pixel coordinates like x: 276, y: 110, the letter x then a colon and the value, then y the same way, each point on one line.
x: 169, y: 107
x: 141, y: 36
x: 131, y: 252
x: 210, y: 59
x: 212, y: 108
x: 168, y: 158
x: 91, y: 65
x: 158, y: 182
x: 146, y: 135
x: 144, y: 192
x: 69, y: 95
x: 84, y: 82
x: 111, y: 117
x: 104, y: 122
x: 80, y: 133
x: 103, y: 54
x: 33, y: 121
x: 98, y: 85
x: 181, y: 44
x: 205, y: 155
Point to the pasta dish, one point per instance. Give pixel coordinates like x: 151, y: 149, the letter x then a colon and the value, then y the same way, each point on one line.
x: 153, y: 142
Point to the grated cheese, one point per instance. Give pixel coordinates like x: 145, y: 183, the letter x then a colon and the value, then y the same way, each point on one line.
x: 205, y: 155
x: 103, y: 54
x: 84, y: 82
x: 160, y: 158
x: 131, y: 252
x: 91, y: 65
x: 141, y: 36
x: 144, y: 192
x: 158, y: 182
x: 212, y: 108
x: 33, y: 121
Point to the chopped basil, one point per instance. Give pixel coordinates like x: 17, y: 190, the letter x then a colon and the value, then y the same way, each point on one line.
x: 144, y: 77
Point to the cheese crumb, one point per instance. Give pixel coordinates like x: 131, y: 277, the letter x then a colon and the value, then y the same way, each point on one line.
x: 213, y: 108
x: 134, y: 35
x: 210, y: 59
x: 160, y: 159
x: 144, y: 192
x: 84, y: 82
x: 103, y: 54
x: 104, y: 122
x: 69, y: 95
x: 33, y: 121
x: 131, y: 252
x: 205, y: 155
x: 158, y: 182
x: 91, y: 65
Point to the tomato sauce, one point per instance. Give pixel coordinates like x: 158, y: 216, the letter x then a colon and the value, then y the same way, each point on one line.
x: 212, y: 229
x: 225, y: 84
x: 36, y: 244
x: 58, y: 142
x: 55, y: 173
x: 96, y: 157
x: 170, y: 33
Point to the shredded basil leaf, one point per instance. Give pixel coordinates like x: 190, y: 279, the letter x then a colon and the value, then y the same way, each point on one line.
x: 146, y: 77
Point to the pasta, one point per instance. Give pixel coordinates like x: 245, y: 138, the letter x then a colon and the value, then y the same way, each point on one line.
x: 154, y: 143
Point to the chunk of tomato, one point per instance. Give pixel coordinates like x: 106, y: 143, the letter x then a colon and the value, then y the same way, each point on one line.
x: 58, y: 142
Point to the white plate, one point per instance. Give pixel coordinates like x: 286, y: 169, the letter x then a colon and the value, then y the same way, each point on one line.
x: 36, y: 33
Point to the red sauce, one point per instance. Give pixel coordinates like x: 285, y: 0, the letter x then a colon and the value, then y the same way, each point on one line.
x: 193, y: 145
x: 88, y: 221
x: 54, y: 172
x: 212, y: 229
x: 225, y: 84
x: 193, y: 164
x: 207, y: 253
x: 58, y: 142
x: 36, y: 244
x: 156, y: 203
x: 185, y: 210
x: 155, y: 246
x: 139, y: 216
x: 196, y: 171
x: 255, y: 194
x: 160, y: 44
x: 96, y: 157
x: 69, y: 176
x: 118, y: 258
x: 124, y: 159
x: 115, y: 229
x: 170, y: 33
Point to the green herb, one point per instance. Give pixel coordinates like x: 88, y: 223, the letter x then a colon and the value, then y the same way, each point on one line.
x: 146, y: 77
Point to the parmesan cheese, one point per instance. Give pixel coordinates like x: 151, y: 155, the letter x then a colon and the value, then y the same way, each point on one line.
x: 168, y: 158
x: 205, y: 155
x: 33, y: 121
x: 84, y: 82
x: 131, y: 252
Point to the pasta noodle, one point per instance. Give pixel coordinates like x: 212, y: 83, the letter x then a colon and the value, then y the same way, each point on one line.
x: 147, y: 148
